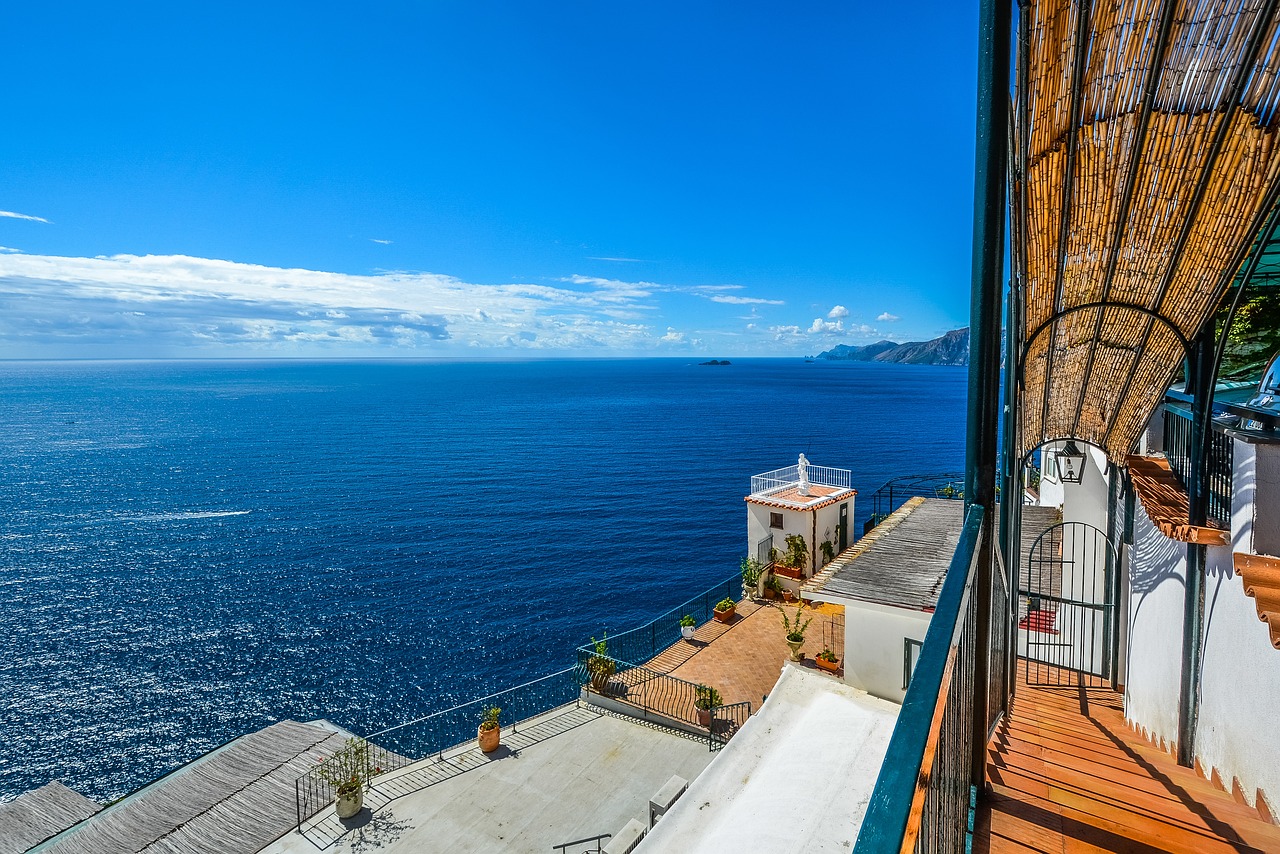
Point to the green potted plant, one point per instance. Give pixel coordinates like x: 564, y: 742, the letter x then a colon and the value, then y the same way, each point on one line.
x: 705, y: 698
x: 752, y: 571
x: 686, y: 627
x: 795, y: 629
x: 773, y: 588
x: 600, y: 665
x: 828, y: 551
x: 723, y: 612
x: 349, y: 770
x: 827, y: 660
x: 490, y: 732
x: 793, y: 561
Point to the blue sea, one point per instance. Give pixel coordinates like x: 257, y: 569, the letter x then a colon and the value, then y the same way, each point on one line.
x: 192, y: 550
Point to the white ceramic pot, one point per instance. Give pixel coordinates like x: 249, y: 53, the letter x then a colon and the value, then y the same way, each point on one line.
x: 686, y: 632
x: 350, y: 803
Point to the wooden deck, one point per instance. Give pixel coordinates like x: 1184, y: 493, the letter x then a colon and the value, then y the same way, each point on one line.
x: 1068, y: 775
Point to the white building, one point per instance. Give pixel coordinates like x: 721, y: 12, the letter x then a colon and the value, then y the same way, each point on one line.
x: 814, y: 503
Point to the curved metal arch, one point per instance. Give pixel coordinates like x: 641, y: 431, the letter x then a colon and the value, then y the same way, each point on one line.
x: 1026, y: 457
x: 1058, y: 315
x: 1115, y: 551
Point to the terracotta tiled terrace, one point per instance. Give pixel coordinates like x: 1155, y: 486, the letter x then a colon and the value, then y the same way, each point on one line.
x: 1067, y: 774
x: 743, y: 659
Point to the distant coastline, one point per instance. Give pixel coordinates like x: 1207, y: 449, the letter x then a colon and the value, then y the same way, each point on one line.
x: 951, y: 348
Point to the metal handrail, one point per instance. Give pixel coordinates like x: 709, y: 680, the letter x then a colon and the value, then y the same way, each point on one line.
x: 789, y: 475
x: 638, y: 645
x: 596, y: 839
x: 496, y: 694
x: 908, y: 776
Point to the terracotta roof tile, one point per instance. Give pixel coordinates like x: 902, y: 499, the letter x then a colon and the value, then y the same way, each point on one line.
x: 1166, y: 503
x: 1261, y: 577
x: 791, y: 499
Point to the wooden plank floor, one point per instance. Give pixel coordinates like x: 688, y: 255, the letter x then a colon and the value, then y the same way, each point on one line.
x: 1068, y: 775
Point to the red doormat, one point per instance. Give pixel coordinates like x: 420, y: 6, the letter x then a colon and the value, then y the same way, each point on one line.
x: 1039, y: 621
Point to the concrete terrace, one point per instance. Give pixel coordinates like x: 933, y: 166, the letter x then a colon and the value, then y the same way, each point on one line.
x: 571, y: 773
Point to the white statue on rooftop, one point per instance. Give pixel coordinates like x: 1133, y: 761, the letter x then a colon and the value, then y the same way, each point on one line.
x: 803, y: 468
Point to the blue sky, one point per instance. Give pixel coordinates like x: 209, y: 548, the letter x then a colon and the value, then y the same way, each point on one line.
x: 482, y: 179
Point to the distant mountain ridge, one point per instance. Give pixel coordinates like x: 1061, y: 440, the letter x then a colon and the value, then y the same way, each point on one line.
x: 949, y: 349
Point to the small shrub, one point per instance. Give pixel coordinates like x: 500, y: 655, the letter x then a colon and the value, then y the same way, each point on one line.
x: 705, y: 697
x: 489, y: 720
x: 795, y: 629
x: 725, y: 604
x: 687, y: 622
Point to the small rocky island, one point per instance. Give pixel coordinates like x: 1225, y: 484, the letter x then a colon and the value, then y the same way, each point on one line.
x: 717, y: 362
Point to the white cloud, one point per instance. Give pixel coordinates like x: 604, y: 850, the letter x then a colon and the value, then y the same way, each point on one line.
x: 783, y: 332
x: 12, y: 215
x: 838, y: 312
x: 736, y: 300
x: 383, y: 242
x: 9, y: 249
x: 826, y: 327
x: 62, y: 306
x: 886, y: 317
x: 607, y: 258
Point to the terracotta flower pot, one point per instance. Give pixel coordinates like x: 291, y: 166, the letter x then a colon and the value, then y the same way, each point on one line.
x: 829, y: 666
x: 349, y: 803
x: 489, y: 738
x: 724, y: 616
x: 704, y: 717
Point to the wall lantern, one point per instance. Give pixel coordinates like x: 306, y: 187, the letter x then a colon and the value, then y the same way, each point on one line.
x: 1070, y: 462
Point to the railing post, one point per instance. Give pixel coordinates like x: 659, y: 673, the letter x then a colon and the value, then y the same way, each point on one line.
x: 982, y: 437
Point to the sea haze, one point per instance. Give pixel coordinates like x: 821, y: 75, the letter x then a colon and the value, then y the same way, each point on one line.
x: 190, y: 551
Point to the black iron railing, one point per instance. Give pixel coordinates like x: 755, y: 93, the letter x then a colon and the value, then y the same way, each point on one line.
x: 923, y: 794
x: 409, y: 742
x: 1221, y: 450
x: 652, y: 695
x: 896, y: 492
x: 638, y: 645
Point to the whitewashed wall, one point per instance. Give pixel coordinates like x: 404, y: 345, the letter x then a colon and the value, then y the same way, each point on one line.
x: 1157, y: 571
x: 813, y: 525
x: 1240, y: 685
x: 873, y: 646
x: 1236, y: 735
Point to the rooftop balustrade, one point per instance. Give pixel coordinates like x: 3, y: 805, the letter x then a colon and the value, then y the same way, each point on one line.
x: 778, y: 479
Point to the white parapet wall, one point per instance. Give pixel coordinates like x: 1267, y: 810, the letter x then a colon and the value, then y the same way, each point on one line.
x: 797, y: 777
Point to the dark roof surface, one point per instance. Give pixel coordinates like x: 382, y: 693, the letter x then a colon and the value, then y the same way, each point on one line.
x: 903, y: 560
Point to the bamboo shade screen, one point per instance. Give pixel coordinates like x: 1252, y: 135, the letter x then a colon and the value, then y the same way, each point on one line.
x: 1144, y: 162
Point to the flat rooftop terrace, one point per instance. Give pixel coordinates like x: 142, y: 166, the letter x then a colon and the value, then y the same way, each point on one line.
x: 571, y: 773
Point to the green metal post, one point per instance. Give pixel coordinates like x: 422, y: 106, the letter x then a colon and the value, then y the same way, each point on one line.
x: 982, y: 435
x: 1200, y: 383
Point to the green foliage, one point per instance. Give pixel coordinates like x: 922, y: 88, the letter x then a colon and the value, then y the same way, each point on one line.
x: 751, y: 571
x: 706, y: 697
x: 795, y: 629
x: 774, y: 583
x: 1254, y: 335
x: 687, y: 622
x: 797, y: 552
x: 489, y: 720
x: 725, y: 604
x: 827, y: 655
x: 828, y: 551
x: 600, y: 664
x: 352, y: 765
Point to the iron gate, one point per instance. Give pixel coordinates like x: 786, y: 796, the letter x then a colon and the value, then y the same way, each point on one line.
x: 1066, y: 606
